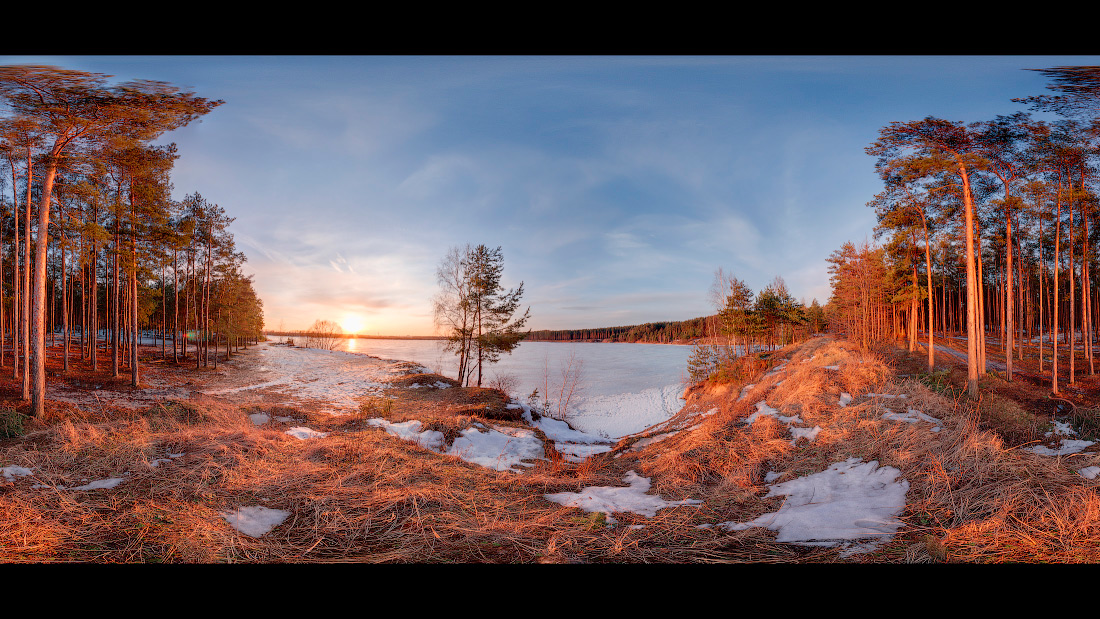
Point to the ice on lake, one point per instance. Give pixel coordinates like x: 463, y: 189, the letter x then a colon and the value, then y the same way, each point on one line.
x: 621, y: 388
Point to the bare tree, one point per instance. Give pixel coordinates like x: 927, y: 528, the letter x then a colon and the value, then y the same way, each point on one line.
x: 475, y: 310
x: 324, y: 334
x: 452, y: 309
x: 571, y: 387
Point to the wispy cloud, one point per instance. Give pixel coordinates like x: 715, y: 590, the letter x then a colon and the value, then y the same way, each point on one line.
x: 601, y: 177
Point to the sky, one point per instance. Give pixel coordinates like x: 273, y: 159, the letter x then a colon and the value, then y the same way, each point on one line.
x: 614, y: 185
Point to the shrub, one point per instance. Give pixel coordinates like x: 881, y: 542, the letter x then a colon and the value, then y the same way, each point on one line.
x: 325, y: 335
x: 937, y: 381
x: 11, y: 422
x: 1087, y: 422
x: 376, y: 407
x: 717, y: 367
x: 505, y: 383
x: 537, y: 405
x: 702, y: 362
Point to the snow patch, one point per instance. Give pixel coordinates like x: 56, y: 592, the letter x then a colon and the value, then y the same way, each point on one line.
x: 410, y: 431
x: 651, y: 440
x: 255, y: 521
x: 572, y: 452
x: 1062, y: 428
x: 158, y: 461
x: 913, y: 416
x: 610, y: 499
x: 13, y: 471
x: 303, y: 433
x: 807, y: 433
x: 850, y: 500
x: 500, y: 448
x: 436, y: 385
x: 101, y: 484
x: 1068, y: 446
x: 763, y: 409
x: 745, y: 391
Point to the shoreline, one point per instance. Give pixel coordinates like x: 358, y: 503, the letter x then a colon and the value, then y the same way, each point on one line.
x: 356, y: 336
x: 345, y: 336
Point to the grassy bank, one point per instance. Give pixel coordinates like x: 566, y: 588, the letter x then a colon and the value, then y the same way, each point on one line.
x: 359, y: 494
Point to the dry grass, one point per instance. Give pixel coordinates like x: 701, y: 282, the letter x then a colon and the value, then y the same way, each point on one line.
x: 358, y: 495
x: 361, y: 495
x: 973, y: 497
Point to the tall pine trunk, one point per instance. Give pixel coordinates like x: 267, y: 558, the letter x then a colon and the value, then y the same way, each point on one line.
x: 972, y: 326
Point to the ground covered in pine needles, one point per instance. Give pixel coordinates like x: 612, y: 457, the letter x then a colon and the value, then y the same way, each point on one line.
x: 154, y: 474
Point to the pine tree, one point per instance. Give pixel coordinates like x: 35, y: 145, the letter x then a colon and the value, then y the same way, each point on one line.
x: 476, y: 310
x: 947, y: 149
x: 498, y: 331
x: 67, y: 109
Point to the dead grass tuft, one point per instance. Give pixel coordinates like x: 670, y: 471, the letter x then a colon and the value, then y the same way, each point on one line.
x: 424, y: 381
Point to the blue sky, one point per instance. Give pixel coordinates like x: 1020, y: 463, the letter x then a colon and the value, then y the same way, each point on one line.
x: 615, y: 185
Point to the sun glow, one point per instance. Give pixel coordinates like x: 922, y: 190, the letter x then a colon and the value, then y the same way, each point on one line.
x: 351, y: 323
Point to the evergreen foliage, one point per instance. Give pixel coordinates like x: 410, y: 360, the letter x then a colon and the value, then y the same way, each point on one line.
x: 477, y: 313
x: 85, y: 172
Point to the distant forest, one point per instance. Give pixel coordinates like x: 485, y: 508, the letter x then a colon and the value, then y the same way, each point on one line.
x: 653, y: 332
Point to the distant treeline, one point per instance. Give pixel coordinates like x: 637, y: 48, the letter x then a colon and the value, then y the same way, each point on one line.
x: 652, y: 332
x: 359, y: 336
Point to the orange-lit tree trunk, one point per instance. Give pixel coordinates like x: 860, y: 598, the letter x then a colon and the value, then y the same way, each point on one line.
x: 24, y: 303
x: 1054, y: 299
x: 973, y: 328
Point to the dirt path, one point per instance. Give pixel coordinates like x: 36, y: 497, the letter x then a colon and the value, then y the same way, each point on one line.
x: 1031, y: 385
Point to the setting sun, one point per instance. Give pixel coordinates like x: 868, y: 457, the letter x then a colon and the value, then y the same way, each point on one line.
x: 351, y: 323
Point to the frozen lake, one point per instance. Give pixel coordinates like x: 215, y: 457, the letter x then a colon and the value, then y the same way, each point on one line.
x: 642, y: 382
